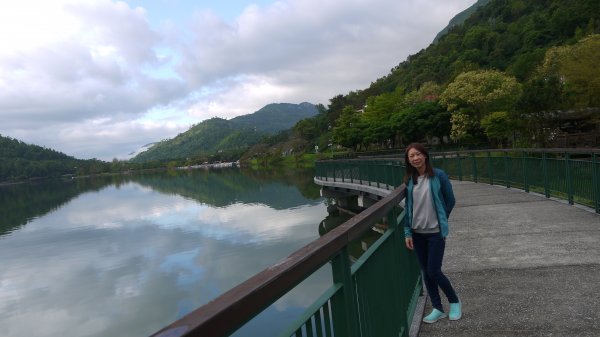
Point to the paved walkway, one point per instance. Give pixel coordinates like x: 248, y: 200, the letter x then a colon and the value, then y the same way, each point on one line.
x: 523, y: 265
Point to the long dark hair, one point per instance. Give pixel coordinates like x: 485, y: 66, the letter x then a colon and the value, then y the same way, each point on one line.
x: 412, y: 172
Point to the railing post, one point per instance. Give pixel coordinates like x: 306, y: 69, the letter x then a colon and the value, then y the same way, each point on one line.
x: 524, y: 164
x: 474, y: 163
x: 568, y: 177
x: 343, y: 304
x: 595, y: 179
x: 333, y: 168
x: 378, y: 170
x: 400, y: 276
x: 444, y: 162
x: 490, y: 170
x: 459, y: 166
x: 507, y: 168
x: 397, y: 174
x: 545, y: 169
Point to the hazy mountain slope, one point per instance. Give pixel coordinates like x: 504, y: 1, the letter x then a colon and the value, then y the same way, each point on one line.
x: 218, y: 135
x: 276, y: 117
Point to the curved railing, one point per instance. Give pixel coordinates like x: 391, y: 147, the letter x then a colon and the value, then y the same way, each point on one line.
x: 572, y: 175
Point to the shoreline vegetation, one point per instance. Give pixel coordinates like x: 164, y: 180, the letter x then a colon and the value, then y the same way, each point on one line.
x: 306, y: 161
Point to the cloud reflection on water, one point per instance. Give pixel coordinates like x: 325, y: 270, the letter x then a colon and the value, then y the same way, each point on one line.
x: 126, y: 261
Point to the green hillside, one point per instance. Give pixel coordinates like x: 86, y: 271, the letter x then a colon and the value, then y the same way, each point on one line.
x: 20, y: 160
x: 514, y: 73
x: 233, y: 137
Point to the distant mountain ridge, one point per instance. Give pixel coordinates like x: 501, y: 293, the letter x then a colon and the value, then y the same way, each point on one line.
x: 276, y: 117
x: 238, y: 134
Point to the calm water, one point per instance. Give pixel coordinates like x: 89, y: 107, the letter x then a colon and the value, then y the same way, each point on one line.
x: 125, y: 256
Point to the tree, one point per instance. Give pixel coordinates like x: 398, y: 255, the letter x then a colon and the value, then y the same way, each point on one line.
x: 376, y: 116
x: 498, y: 126
x: 425, y: 119
x: 428, y: 92
x: 538, y: 107
x: 348, y: 128
x: 577, y: 66
x: 474, y: 95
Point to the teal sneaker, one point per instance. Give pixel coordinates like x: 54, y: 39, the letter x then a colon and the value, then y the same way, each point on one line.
x: 455, y: 311
x: 434, y: 316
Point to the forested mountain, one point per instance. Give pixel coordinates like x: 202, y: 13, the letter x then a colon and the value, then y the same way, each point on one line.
x: 19, y: 160
x: 275, y: 117
x: 515, y: 73
x: 233, y: 137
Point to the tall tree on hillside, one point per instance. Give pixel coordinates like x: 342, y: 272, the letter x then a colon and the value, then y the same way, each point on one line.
x: 376, y: 116
x: 567, y: 80
x: 349, y: 128
x: 577, y: 66
x: 428, y: 92
x: 474, y: 95
x: 421, y: 120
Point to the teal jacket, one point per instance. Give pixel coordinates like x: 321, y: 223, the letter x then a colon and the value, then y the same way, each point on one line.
x: 443, y: 199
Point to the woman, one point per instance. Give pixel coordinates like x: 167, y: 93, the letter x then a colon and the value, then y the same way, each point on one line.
x: 429, y: 201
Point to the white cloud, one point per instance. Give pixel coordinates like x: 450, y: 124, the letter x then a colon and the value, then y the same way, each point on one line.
x: 241, y: 96
x: 65, y: 63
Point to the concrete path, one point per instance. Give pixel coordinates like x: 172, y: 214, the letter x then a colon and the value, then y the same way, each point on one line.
x: 522, y: 265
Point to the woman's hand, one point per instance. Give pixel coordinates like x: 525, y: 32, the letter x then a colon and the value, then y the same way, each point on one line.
x: 409, y: 243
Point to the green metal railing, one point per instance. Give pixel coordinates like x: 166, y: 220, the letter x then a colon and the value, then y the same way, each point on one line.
x: 572, y: 175
x: 377, y: 172
x: 374, y: 296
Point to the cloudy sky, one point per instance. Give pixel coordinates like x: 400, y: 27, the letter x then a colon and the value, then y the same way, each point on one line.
x: 101, y: 78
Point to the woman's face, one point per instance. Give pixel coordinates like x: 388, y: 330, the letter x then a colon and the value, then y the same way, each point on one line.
x: 416, y: 159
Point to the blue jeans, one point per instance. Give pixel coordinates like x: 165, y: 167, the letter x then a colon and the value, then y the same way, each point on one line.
x: 430, y: 253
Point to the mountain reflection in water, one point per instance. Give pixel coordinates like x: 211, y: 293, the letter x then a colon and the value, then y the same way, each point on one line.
x: 127, y: 255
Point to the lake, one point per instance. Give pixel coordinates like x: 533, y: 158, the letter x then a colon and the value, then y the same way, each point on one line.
x: 127, y: 255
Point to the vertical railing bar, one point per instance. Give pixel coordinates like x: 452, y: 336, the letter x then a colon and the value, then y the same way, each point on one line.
x: 596, y: 183
x: 344, y: 305
x: 507, y: 168
x: 327, y: 319
x: 490, y: 170
x: 444, y: 162
x: 309, y: 328
x: 524, y: 164
x: 568, y: 177
x: 333, y: 172
x: 545, y: 169
x: 459, y: 167
x: 378, y: 176
x: 318, y: 324
x: 474, y: 163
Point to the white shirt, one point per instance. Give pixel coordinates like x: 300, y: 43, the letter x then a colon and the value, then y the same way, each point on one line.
x: 424, y: 215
